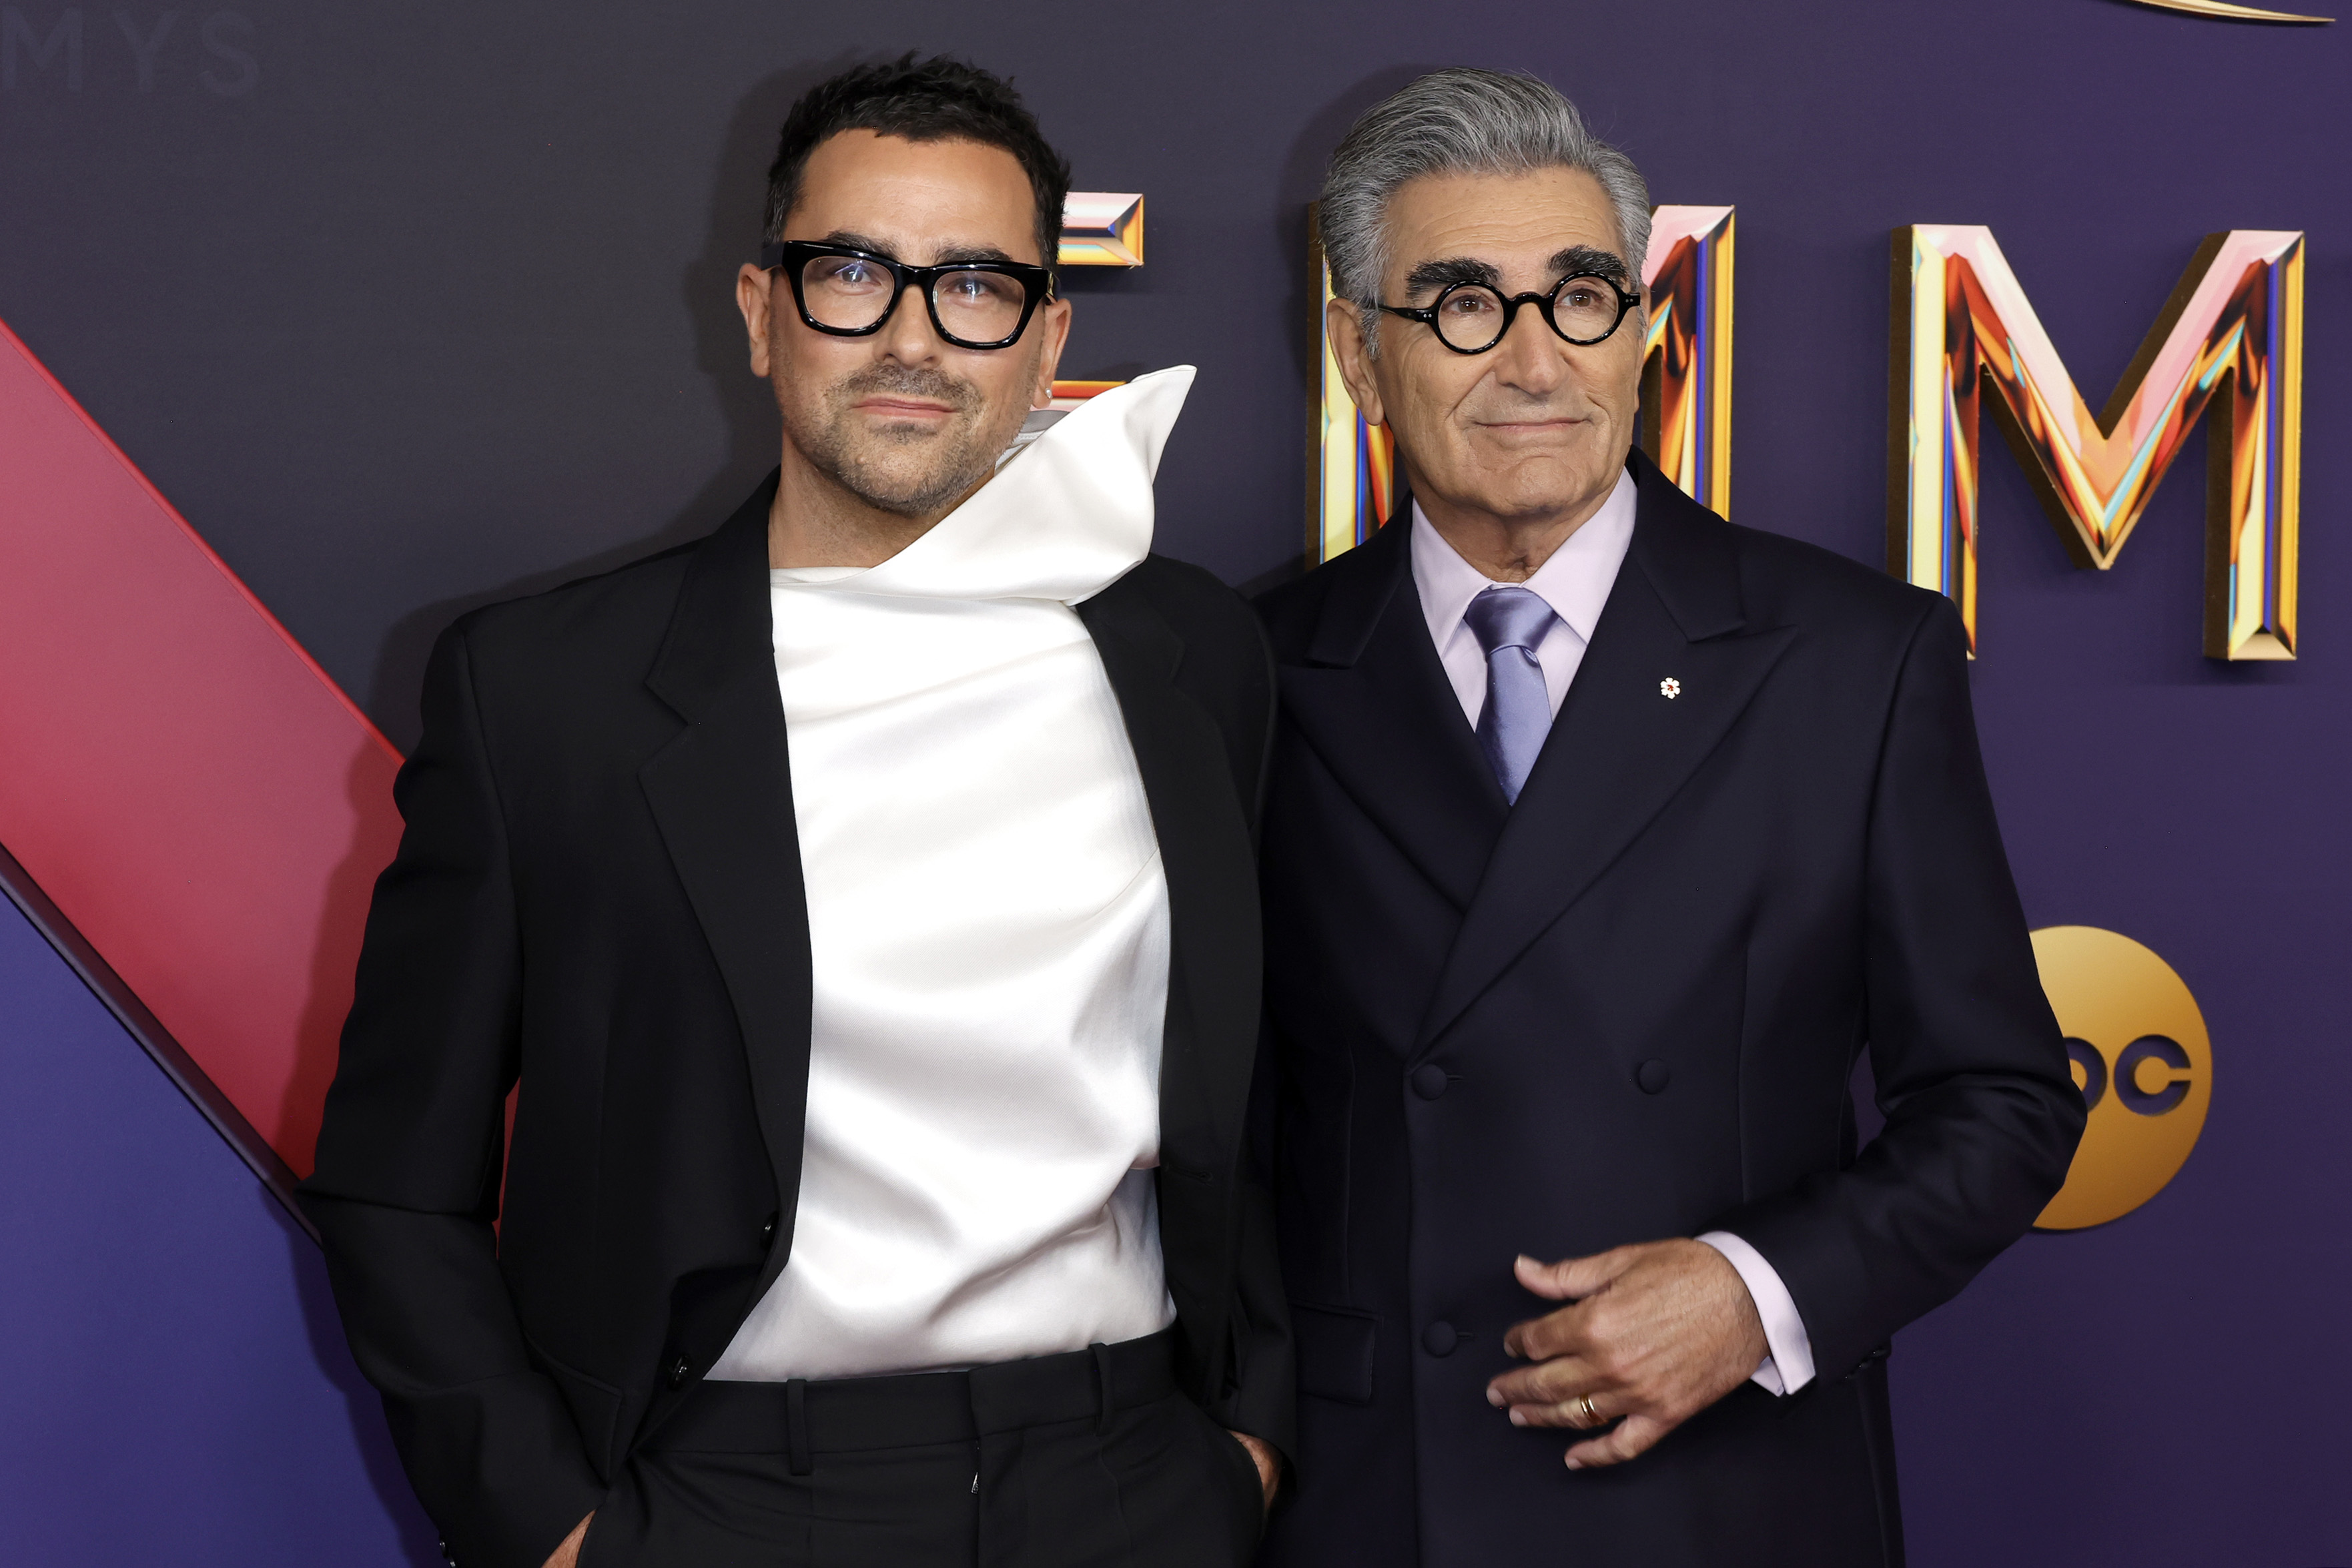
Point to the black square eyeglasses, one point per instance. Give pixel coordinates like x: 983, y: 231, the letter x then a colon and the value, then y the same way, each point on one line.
x: 850, y: 293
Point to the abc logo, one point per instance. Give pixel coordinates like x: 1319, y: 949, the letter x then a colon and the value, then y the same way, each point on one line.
x: 2142, y: 1060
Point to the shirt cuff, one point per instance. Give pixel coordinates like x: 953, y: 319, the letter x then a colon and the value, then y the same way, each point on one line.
x: 1789, y: 1366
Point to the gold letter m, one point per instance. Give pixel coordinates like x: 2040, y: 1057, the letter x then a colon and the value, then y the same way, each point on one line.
x: 2229, y: 339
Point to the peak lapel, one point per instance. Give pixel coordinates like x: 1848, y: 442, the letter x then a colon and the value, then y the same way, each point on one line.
x: 1373, y: 701
x: 723, y: 793
x: 1620, y: 747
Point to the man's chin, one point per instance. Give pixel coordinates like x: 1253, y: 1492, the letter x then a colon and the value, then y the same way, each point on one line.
x: 914, y: 469
x: 1537, y: 485
x: 929, y: 492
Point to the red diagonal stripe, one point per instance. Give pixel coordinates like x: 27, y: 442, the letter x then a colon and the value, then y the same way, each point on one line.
x: 183, y: 781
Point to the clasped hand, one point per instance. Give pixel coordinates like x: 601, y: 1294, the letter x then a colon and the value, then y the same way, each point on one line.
x: 1652, y: 1335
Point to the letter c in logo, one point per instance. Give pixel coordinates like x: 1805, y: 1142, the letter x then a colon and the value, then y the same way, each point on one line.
x: 2130, y: 1081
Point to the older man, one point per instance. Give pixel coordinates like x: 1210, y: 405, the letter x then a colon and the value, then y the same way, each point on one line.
x: 1603, y: 837
x: 863, y: 896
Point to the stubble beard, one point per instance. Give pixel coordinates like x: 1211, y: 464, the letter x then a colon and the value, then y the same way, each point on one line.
x: 906, y: 470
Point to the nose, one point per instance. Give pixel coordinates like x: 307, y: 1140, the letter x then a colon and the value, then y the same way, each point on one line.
x: 1532, y: 358
x: 908, y: 336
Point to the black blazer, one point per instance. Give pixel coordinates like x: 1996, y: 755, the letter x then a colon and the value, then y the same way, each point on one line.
x: 1628, y: 1008
x: 599, y: 891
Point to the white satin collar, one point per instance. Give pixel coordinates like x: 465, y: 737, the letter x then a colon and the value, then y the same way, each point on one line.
x: 1066, y: 517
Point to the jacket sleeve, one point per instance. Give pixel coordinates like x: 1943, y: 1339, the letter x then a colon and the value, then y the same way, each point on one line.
x: 1266, y: 1378
x: 1264, y: 1390
x: 411, y: 1155
x: 1982, y: 1114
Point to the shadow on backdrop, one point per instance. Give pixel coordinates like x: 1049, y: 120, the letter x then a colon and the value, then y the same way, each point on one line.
x: 731, y: 238
x: 419, y: 1541
x: 1302, y: 182
x: 335, y: 950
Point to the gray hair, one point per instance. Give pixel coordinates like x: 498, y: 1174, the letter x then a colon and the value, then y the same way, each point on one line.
x: 1460, y: 122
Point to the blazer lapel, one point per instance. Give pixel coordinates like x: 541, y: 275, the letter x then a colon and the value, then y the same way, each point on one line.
x: 1204, y: 849
x: 723, y: 793
x: 1373, y: 701
x: 1621, y: 746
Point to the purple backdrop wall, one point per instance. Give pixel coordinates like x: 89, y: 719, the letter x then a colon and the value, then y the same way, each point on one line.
x: 177, y: 1386
x: 413, y: 306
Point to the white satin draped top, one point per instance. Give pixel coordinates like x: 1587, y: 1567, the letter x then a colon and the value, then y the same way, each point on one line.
x: 988, y: 920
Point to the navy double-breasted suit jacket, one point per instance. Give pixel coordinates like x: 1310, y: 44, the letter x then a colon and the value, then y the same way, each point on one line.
x: 1627, y: 1009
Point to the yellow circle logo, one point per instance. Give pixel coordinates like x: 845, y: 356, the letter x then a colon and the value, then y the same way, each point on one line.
x: 2142, y: 1060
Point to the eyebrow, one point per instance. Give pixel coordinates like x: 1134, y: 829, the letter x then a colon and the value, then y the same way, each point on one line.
x: 1584, y: 258
x: 1430, y: 276
x: 948, y: 253
x: 1577, y: 260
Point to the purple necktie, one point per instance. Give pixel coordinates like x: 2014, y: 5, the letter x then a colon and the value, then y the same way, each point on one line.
x: 1508, y: 623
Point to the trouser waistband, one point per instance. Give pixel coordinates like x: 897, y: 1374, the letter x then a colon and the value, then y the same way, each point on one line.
x: 802, y: 1418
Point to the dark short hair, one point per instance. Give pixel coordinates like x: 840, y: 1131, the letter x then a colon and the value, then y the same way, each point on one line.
x: 936, y: 100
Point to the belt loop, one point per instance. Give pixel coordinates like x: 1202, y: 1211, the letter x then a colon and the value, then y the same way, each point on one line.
x: 1103, y: 1387
x: 796, y: 1432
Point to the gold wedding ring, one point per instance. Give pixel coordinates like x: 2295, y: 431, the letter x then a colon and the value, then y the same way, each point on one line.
x: 1584, y: 1405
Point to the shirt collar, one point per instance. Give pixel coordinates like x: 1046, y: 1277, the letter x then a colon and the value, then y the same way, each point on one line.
x: 1575, y: 581
x: 1068, y: 515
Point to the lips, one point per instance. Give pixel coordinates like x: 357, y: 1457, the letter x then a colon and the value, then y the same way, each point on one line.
x: 1530, y: 426
x: 887, y: 391
x: 892, y: 406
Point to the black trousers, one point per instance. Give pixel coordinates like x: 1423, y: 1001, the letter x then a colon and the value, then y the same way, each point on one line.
x: 1092, y: 1459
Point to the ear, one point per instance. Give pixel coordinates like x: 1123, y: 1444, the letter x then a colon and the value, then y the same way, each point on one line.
x: 754, y: 291
x: 1053, y: 326
x: 1345, y: 329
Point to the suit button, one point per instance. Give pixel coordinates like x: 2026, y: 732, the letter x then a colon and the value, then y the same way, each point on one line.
x: 768, y: 1231
x: 1429, y: 1080
x: 1439, y: 1339
x: 1653, y: 1077
x: 679, y: 1371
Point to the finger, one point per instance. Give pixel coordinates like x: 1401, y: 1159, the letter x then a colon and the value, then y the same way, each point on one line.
x: 1634, y: 1435
x: 1546, y: 1382
x: 1262, y: 1454
x: 1571, y: 1279
x: 1561, y: 1333
x: 1583, y: 1413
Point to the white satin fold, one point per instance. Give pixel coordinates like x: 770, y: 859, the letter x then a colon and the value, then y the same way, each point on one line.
x: 988, y: 921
